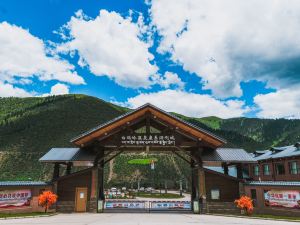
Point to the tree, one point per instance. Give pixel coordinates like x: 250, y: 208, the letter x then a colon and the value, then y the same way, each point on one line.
x: 47, y: 199
x: 245, y: 203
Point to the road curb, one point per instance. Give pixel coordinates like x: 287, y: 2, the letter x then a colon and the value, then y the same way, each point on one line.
x: 23, y: 217
x: 253, y: 217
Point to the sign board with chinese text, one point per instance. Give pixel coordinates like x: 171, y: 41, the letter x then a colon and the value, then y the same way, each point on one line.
x: 124, y: 204
x: 282, y: 198
x: 14, y: 198
x: 170, y: 205
x: 152, y: 139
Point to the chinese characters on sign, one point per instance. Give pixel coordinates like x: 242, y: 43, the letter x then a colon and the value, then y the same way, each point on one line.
x: 165, y: 205
x: 124, y: 204
x: 164, y: 140
x: 277, y: 198
x: 14, y: 198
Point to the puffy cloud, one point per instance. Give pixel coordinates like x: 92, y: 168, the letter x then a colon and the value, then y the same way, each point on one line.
x: 59, y: 89
x: 282, y: 103
x: 24, y: 55
x: 8, y: 90
x: 190, y: 104
x: 226, y: 42
x: 111, y: 45
x: 169, y: 79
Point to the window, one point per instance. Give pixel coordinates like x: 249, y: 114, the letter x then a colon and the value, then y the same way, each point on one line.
x: 293, y: 167
x: 280, y: 168
x: 256, y: 170
x: 215, y: 194
x: 266, y: 169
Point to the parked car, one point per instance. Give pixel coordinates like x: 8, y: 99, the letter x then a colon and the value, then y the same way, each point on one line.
x: 113, y: 189
x: 142, y: 189
x: 149, y: 189
x: 124, y: 188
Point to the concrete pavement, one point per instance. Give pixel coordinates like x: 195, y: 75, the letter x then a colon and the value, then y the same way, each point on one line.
x: 140, y: 219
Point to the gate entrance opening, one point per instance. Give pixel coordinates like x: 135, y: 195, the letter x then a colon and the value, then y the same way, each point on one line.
x: 147, y: 129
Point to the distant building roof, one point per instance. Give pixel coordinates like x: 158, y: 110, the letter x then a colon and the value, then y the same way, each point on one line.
x: 67, y: 155
x: 278, y: 152
x: 273, y: 183
x: 232, y: 171
x: 228, y: 155
x: 23, y: 183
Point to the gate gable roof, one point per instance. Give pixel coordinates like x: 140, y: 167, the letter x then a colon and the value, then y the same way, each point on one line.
x: 173, y: 120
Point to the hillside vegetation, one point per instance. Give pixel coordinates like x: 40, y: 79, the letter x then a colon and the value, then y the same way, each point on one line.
x: 29, y: 127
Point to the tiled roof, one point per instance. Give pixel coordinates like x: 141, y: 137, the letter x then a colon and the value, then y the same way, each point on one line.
x: 273, y: 183
x: 277, y: 152
x: 232, y: 171
x: 139, y: 108
x: 228, y: 155
x: 67, y: 155
x: 23, y: 183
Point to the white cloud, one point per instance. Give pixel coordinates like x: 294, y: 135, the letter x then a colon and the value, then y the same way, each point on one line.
x: 111, y: 45
x: 24, y: 55
x: 59, y: 89
x: 8, y: 90
x: 282, y: 103
x: 226, y: 42
x: 190, y: 104
x: 169, y: 79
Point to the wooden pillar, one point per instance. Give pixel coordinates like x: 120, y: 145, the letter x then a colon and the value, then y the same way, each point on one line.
x: 69, y: 168
x: 225, y: 168
x: 94, y: 190
x: 55, y: 171
x: 198, y: 181
x: 202, y: 189
x: 194, y: 186
x: 99, y: 165
x: 101, y: 180
x: 239, y: 171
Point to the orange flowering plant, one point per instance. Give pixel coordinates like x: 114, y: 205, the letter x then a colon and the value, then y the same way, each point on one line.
x: 245, y: 203
x: 46, y: 199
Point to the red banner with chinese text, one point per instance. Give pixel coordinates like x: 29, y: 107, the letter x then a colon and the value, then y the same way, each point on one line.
x: 14, y: 198
x: 282, y: 198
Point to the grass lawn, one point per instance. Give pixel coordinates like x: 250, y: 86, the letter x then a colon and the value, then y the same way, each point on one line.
x: 9, y: 215
x: 158, y: 195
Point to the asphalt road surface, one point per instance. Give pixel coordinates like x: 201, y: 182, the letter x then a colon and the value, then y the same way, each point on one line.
x: 140, y: 219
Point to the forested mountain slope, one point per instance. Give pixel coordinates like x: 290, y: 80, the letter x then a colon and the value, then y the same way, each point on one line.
x: 29, y: 127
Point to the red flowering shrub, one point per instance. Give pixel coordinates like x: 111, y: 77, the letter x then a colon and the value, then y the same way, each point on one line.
x: 245, y: 203
x: 46, y: 199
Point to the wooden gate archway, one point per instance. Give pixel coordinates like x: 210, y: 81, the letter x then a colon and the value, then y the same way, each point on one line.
x: 147, y: 128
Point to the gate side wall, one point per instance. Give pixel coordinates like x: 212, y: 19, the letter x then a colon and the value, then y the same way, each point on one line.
x: 66, y: 190
x: 228, y: 186
x: 259, y: 202
x: 34, y: 206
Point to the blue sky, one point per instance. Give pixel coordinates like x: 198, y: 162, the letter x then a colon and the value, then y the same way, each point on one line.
x: 195, y: 57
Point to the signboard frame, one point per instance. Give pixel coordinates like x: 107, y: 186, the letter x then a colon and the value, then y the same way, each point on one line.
x: 15, y: 198
x: 282, y: 198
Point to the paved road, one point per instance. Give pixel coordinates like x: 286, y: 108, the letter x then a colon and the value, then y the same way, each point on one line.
x: 140, y: 219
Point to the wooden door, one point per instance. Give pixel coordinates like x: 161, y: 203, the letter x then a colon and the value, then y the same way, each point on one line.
x: 80, y: 199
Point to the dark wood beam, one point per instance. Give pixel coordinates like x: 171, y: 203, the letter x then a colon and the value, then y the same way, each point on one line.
x: 180, y: 156
x: 106, y: 161
x: 196, y: 160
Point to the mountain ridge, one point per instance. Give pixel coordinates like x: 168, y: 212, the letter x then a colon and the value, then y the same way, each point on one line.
x: 29, y: 127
